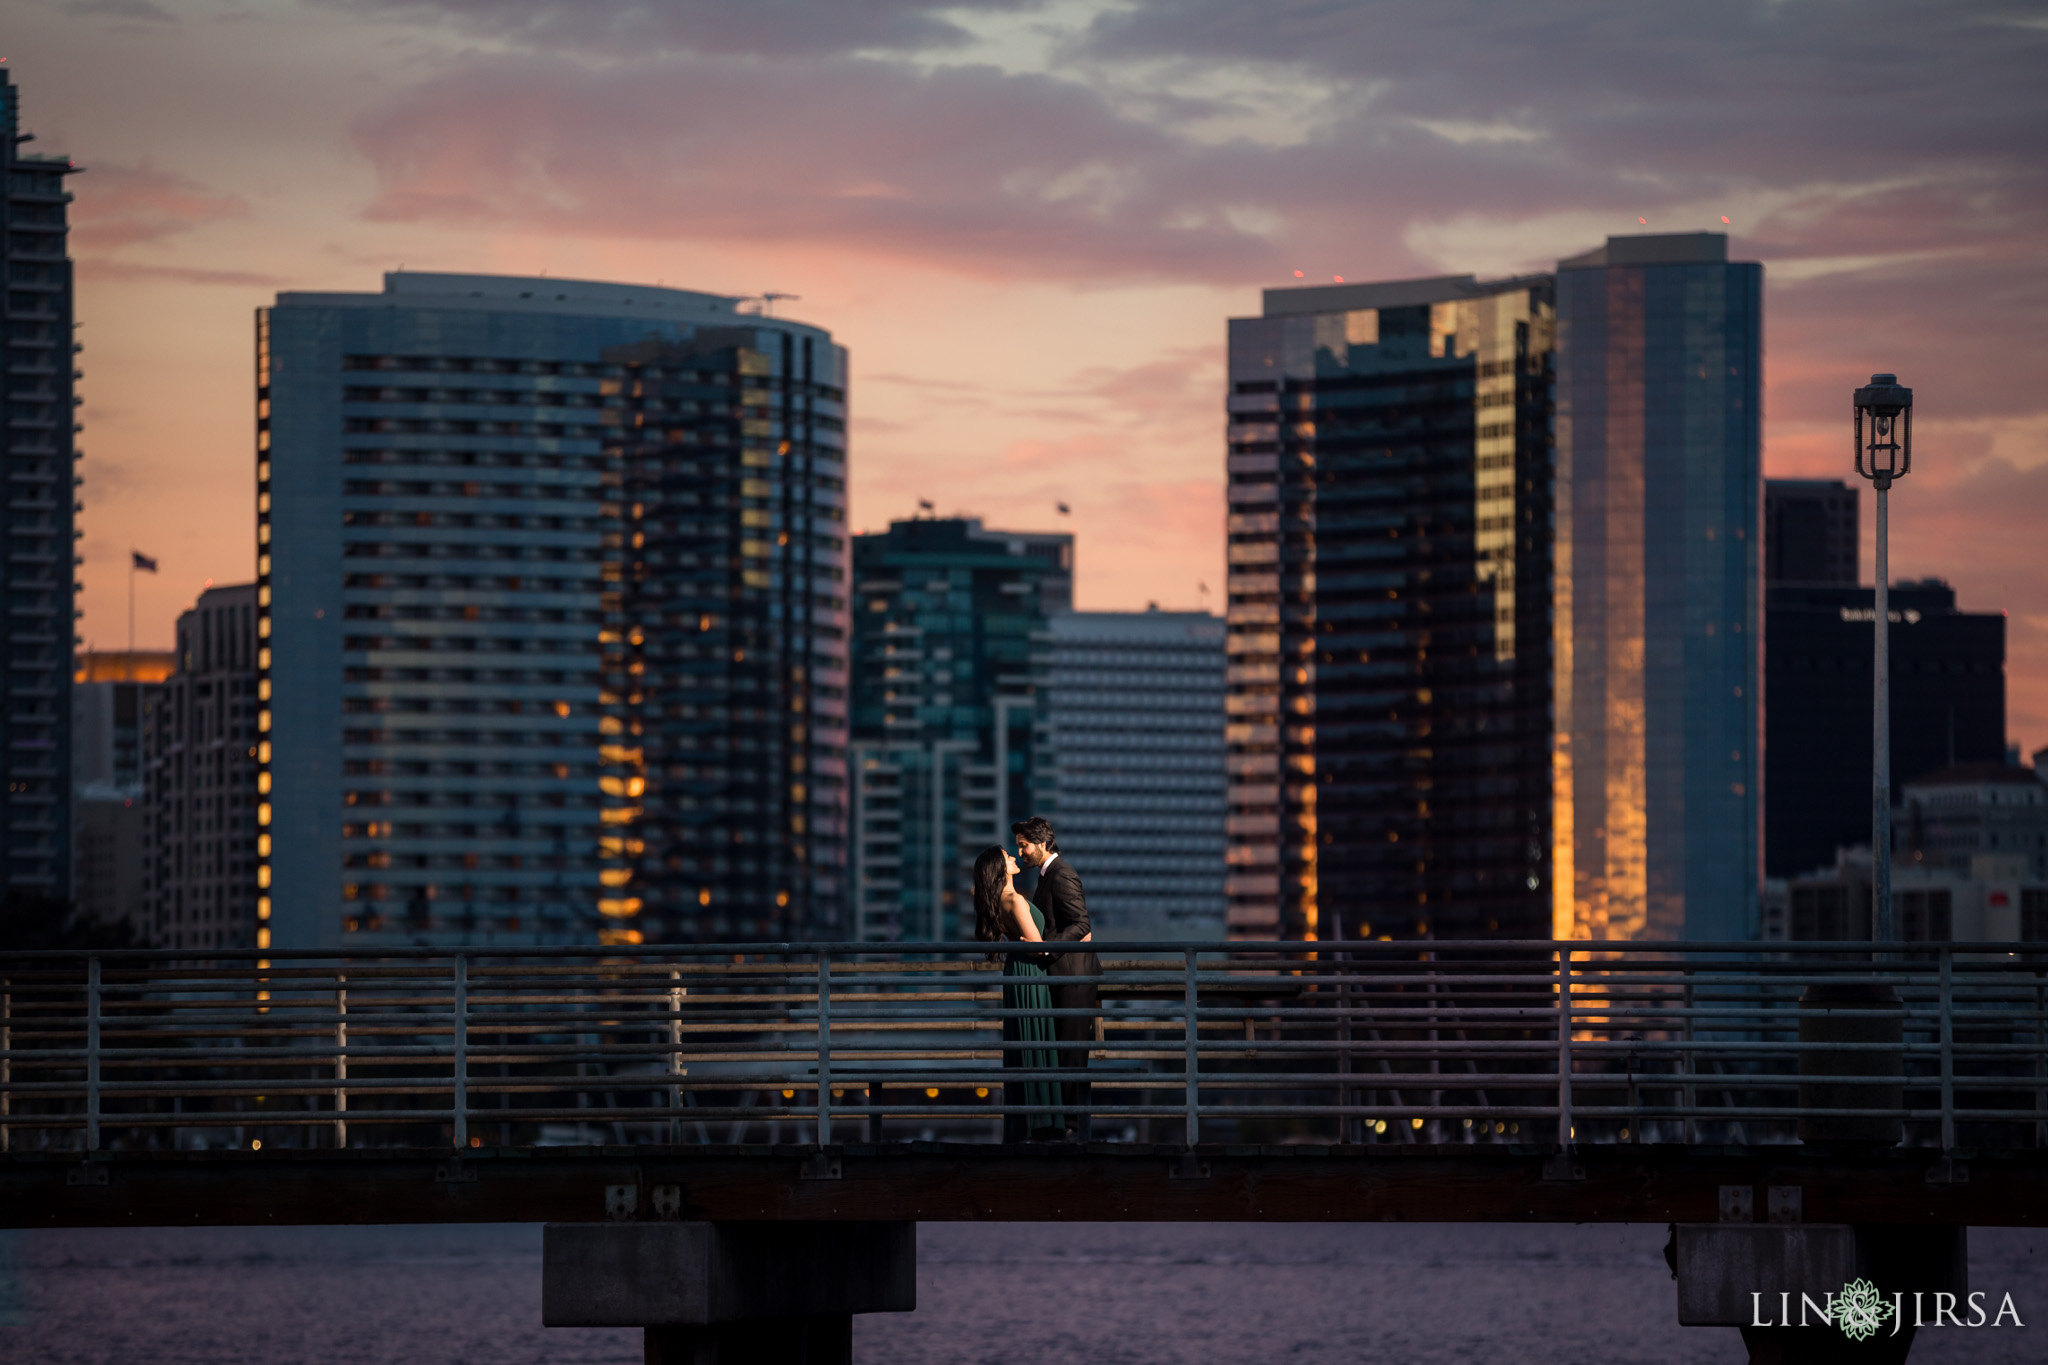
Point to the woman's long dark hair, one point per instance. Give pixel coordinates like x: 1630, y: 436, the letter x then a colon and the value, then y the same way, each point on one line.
x: 991, y: 873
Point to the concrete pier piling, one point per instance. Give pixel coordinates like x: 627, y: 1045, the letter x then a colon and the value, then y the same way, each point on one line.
x: 729, y: 1293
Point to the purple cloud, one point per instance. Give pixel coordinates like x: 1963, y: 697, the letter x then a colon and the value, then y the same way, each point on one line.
x: 1881, y: 158
x: 705, y: 26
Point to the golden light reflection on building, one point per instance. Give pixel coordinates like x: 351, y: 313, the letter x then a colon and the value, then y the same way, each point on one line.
x: 1612, y: 860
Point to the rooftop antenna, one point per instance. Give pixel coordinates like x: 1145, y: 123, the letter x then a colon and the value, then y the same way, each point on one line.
x: 765, y: 303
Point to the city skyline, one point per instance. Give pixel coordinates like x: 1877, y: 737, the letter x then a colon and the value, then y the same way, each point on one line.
x: 1126, y: 615
x: 1041, y: 321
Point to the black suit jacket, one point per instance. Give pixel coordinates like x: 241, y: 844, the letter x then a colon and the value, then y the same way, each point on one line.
x: 1059, y: 898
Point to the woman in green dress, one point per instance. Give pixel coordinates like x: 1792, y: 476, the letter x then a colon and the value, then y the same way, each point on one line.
x: 1002, y: 914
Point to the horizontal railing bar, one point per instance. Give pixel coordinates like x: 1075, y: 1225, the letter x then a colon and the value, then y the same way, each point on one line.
x: 939, y: 1109
x: 855, y: 1077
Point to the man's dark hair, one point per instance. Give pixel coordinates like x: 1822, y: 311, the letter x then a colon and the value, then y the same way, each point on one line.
x: 1038, y: 830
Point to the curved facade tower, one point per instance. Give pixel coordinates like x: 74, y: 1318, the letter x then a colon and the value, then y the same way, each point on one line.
x: 551, y: 592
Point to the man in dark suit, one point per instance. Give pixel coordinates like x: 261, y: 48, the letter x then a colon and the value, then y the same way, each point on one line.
x: 1075, y: 973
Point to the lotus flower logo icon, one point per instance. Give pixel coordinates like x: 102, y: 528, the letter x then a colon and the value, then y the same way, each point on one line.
x: 1860, y: 1310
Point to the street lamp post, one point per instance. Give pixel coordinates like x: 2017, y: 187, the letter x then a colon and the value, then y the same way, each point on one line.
x: 1884, y: 452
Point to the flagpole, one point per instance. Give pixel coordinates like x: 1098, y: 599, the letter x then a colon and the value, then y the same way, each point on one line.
x: 131, y: 607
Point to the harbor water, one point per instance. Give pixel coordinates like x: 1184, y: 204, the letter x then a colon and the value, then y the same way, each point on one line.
x: 988, y: 1294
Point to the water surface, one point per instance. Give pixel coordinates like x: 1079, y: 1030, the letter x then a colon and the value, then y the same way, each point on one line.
x: 988, y: 1294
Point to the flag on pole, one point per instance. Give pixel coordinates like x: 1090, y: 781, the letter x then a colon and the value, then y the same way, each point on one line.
x: 1064, y: 509
x: 143, y: 562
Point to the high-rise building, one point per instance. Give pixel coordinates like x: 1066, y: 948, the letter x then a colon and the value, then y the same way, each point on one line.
x: 110, y: 697
x: 200, y: 782
x: 1810, y: 531
x: 1134, y: 706
x: 1948, y: 707
x: 1659, y: 602
x: 1390, y: 657
x: 38, y: 562
x: 949, y: 744
x: 729, y: 643
x: 1490, y: 675
x: 491, y: 513
x: 107, y: 692
x: 1951, y: 817
x: 1981, y: 898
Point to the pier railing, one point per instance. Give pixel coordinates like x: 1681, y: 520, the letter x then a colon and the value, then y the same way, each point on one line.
x: 1528, y: 1043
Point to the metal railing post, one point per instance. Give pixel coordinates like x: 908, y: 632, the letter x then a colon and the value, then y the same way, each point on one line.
x: 1564, y: 1046
x: 675, y: 1055
x: 461, y: 1051
x: 2040, y: 1065
x: 340, y: 1059
x: 1948, y: 1048
x: 1347, y: 1124
x: 92, y: 1055
x: 7, y: 1062
x: 1434, y: 1127
x: 824, y: 1049
x: 1191, y: 1089
x: 1688, y: 1093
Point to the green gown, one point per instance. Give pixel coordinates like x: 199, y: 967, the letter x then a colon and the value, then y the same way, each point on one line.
x: 1030, y: 995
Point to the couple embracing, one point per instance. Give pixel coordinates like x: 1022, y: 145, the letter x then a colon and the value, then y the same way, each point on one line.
x: 1066, y: 980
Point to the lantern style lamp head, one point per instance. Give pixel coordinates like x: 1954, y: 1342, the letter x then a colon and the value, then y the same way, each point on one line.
x: 1885, y: 451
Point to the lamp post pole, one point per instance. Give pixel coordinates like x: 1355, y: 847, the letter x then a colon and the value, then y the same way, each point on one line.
x: 1884, y: 453
x: 1881, y: 731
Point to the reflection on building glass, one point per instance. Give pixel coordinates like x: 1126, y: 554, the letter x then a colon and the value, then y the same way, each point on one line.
x: 1389, y: 644
x: 1659, y: 498
x: 1494, y: 672
x: 724, y: 749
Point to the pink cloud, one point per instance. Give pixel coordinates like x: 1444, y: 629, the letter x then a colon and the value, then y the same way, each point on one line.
x: 120, y: 206
x: 130, y: 271
x: 993, y: 175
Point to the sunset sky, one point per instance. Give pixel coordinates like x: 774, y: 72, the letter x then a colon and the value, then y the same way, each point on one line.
x: 1029, y: 221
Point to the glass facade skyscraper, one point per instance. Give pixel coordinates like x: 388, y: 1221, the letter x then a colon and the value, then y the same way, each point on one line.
x: 1659, y: 590
x: 1390, y: 666
x: 728, y: 645
x: 949, y: 739
x: 528, y: 551
x: 1495, y: 603
x: 39, y: 560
